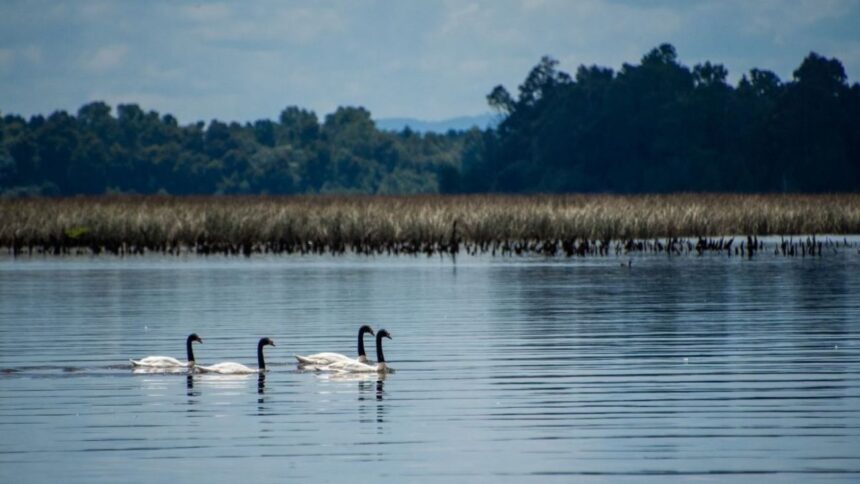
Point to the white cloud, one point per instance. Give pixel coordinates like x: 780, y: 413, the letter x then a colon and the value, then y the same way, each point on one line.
x: 265, y: 27
x: 848, y: 53
x: 6, y: 56
x: 432, y: 59
x: 6, y: 59
x: 460, y: 16
x: 206, y: 12
x: 533, y: 4
x: 107, y: 58
x: 306, y: 24
x: 96, y: 10
x: 777, y: 20
x: 31, y: 54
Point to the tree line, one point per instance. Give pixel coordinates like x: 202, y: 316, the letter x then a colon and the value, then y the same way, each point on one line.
x: 658, y: 126
x: 137, y: 151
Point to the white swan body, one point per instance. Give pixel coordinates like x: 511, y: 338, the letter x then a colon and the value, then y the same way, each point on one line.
x: 161, y: 362
x: 328, y: 358
x: 355, y: 366
x: 168, y: 362
x: 232, y: 368
x: 325, y: 359
x: 359, y: 377
x: 227, y: 368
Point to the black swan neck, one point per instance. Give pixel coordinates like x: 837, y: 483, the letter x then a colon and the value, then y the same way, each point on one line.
x: 188, y: 349
x: 380, y: 358
x: 261, y: 363
x: 361, y: 351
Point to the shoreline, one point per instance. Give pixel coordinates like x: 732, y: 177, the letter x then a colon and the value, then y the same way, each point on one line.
x: 795, y: 246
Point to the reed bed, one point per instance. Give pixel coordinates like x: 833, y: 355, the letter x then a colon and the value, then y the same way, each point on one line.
x: 570, y: 224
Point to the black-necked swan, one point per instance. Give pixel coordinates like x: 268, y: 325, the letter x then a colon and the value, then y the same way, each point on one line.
x: 169, y: 361
x: 231, y: 368
x: 322, y: 359
x: 355, y: 366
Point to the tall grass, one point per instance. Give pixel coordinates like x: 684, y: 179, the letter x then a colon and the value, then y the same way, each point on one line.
x: 410, y: 224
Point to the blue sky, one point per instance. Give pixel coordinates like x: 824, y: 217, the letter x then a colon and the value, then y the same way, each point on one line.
x: 429, y: 59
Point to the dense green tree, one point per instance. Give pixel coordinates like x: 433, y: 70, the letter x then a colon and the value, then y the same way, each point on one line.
x: 659, y: 127
x: 298, y: 127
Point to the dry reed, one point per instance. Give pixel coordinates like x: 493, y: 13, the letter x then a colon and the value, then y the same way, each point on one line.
x: 409, y: 224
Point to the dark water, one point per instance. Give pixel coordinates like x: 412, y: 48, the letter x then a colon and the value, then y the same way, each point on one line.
x: 507, y: 370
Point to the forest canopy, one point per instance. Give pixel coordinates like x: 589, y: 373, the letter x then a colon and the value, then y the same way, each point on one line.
x: 655, y: 127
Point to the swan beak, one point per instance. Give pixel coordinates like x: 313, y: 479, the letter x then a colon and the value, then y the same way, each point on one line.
x: 272, y: 343
x: 388, y: 336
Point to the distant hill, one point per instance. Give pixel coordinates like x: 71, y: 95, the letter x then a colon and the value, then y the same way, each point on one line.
x: 460, y: 123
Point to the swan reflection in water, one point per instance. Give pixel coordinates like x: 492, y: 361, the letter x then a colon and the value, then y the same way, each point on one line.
x: 261, y: 384
x: 367, y: 386
x: 376, y: 387
x: 193, y: 382
x: 225, y: 382
x: 346, y: 377
x: 223, y: 385
x: 143, y: 370
x: 189, y: 387
x: 380, y: 409
x: 261, y: 391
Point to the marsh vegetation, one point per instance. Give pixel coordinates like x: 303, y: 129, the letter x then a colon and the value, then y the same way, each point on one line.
x: 571, y: 225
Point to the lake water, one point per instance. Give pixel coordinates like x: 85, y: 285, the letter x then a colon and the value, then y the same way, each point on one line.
x: 508, y: 369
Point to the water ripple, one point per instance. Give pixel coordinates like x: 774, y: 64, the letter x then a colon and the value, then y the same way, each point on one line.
x: 508, y: 369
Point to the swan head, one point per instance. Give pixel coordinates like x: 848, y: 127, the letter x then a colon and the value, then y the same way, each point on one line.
x: 365, y: 329
x: 194, y: 337
x: 383, y: 334
x: 265, y: 342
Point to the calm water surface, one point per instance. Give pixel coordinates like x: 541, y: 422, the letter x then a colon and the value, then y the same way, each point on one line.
x: 513, y: 370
